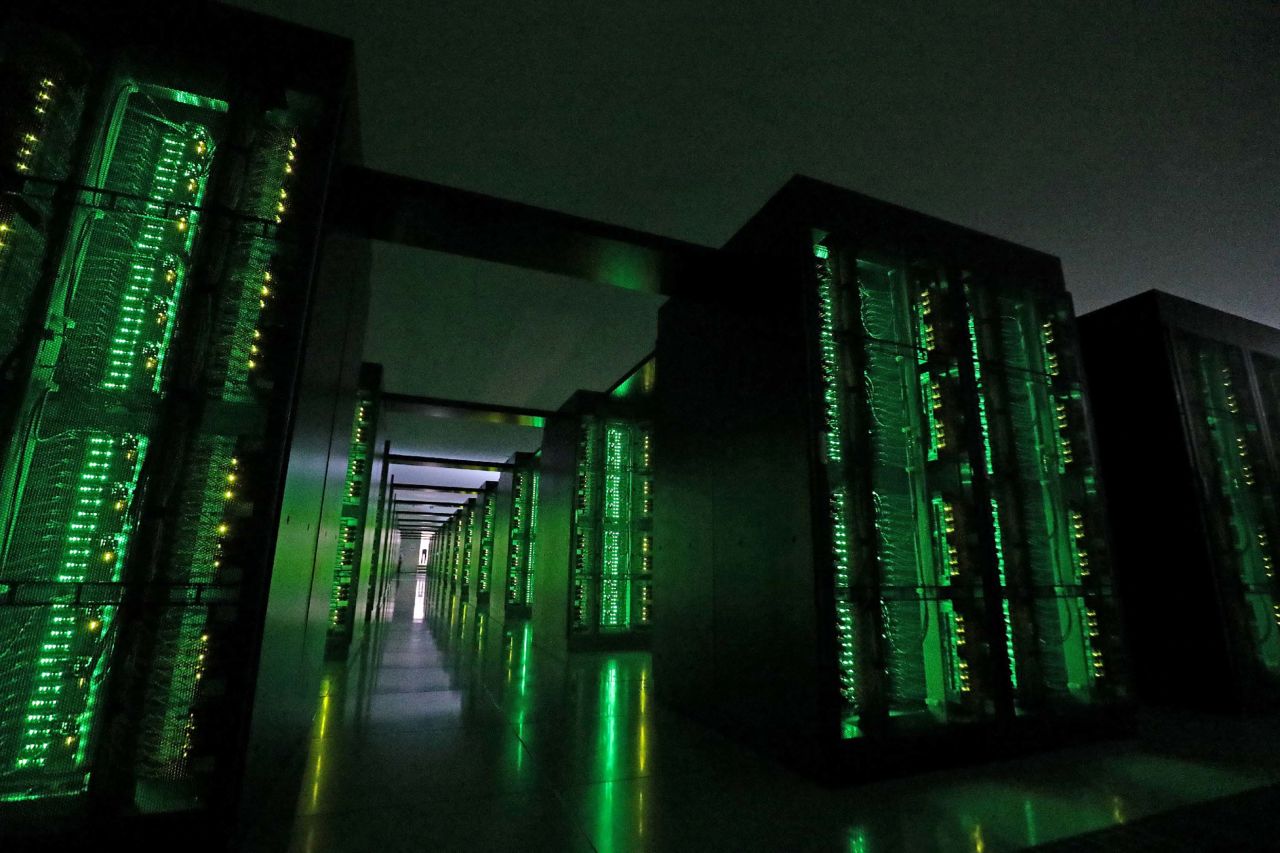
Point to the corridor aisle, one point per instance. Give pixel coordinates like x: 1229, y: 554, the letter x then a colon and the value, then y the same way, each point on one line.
x: 447, y: 732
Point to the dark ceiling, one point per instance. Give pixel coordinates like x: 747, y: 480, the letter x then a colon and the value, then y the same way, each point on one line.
x: 1140, y: 142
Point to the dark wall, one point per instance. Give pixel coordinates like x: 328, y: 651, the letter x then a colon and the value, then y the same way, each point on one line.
x: 1162, y: 562
x: 555, y: 520
x: 298, y: 606
x: 736, y: 628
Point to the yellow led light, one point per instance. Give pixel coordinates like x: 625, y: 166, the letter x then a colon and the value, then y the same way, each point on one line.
x: 228, y: 494
x: 223, y: 528
x: 252, y: 364
x: 108, y: 556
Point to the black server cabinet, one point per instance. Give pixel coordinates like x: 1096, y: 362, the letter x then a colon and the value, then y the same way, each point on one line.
x: 353, y: 517
x: 880, y: 533
x: 1187, y: 404
x: 594, y: 583
x: 515, y: 552
x: 464, y: 535
x: 163, y: 273
x: 482, y: 551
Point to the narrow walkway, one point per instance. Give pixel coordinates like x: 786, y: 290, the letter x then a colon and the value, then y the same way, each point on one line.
x: 449, y: 733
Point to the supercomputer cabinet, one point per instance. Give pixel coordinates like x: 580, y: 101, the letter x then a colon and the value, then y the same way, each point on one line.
x: 353, y: 514
x: 436, y: 559
x: 482, y: 539
x: 1187, y: 405
x: 594, y: 584
x: 515, y: 556
x: 464, y: 536
x: 881, y: 542
x: 162, y: 191
x: 447, y: 551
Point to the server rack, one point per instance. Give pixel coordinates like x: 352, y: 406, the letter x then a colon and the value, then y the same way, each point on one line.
x: 515, y: 557
x: 1188, y: 430
x: 447, y: 550
x: 434, y: 560
x: 352, y: 520
x: 595, y: 526
x: 480, y: 554
x: 161, y: 222
x: 879, y: 509
x: 464, y: 535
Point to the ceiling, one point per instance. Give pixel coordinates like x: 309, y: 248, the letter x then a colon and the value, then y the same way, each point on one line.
x: 459, y: 329
x: 1138, y: 142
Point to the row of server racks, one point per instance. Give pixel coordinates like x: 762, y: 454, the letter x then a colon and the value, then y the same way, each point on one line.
x: 570, y: 526
x: 164, y: 176
x: 882, y: 540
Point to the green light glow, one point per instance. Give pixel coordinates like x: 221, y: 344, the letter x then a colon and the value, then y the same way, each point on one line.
x: 997, y: 534
x: 613, y: 585
x: 612, y: 541
x: 121, y: 293
x: 1238, y: 481
x: 531, y: 543
x: 833, y: 441
x: 486, y: 544
x: 352, y: 516
x: 519, y: 534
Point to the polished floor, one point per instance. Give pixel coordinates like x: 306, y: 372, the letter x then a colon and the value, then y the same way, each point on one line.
x: 447, y: 732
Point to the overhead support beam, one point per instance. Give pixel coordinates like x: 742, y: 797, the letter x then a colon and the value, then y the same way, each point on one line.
x: 441, y: 462
x: 411, y: 212
x: 427, y: 487
x: 430, y: 503
x: 463, y: 410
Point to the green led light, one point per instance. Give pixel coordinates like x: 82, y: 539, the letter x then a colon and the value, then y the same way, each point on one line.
x: 614, y: 587
x: 530, y: 560
x: 353, y: 514
x: 995, y: 509
x: 833, y: 442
